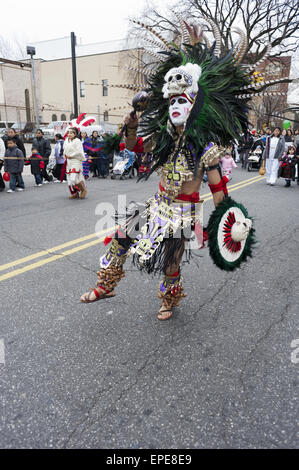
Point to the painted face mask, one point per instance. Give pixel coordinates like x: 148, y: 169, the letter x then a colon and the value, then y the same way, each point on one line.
x: 179, y: 109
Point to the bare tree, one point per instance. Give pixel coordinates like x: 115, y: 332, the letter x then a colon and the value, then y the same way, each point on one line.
x: 12, y: 49
x: 264, y: 21
x: 268, y: 109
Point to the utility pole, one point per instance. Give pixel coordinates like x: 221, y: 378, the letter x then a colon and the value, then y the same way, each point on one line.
x: 99, y: 115
x: 31, y: 52
x: 73, y: 47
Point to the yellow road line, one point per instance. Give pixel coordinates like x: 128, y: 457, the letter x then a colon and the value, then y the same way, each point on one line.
x: 50, y: 259
x: 47, y: 252
x: 240, y: 183
x: 55, y: 248
x: 238, y: 187
x: 42, y: 262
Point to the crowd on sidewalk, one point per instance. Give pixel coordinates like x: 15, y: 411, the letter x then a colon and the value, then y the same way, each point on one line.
x: 273, y: 149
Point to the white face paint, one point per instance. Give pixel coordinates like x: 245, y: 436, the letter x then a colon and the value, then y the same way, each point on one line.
x: 179, y: 110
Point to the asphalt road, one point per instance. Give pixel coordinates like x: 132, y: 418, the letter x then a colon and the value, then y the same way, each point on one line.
x: 222, y: 373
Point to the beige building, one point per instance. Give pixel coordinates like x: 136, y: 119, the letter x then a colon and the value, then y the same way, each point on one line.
x: 95, y: 75
x: 99, y: 66
x: 16, y: 96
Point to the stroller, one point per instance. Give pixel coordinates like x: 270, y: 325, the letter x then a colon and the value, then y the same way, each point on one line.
x: 51, y: 166
x: 254, y: 160
x: 123, y: 162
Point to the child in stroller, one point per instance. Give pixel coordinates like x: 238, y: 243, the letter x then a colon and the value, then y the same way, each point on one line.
x: 254, y: 160
x: 123, y: 162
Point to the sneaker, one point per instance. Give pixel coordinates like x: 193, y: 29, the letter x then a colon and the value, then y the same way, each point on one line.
x: 40, y: 184
x: 64, y: 181
x: 56, y: 181
x: 10, y: 191
x: 46, y: 182
x: 20, y: 189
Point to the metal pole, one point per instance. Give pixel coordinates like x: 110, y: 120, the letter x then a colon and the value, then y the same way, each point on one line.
x: 99, y: 115
x: 34, y: 93
x: 73, y: 47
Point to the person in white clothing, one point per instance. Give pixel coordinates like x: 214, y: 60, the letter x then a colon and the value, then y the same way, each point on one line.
x: 74, y: 155
x: 274, y: 149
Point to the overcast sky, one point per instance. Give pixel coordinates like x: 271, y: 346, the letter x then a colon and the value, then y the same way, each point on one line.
x: 91, y: 20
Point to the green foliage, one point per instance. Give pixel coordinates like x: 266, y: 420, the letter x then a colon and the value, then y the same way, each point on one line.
x: 219, y: 118
x: 111, y: 144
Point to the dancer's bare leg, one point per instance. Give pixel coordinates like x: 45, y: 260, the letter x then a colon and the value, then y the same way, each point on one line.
x: 171, y: 290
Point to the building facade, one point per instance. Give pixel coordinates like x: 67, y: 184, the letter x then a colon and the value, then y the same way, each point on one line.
x: 266, y: 109
x: 99, y: 67
x: 16, y: 94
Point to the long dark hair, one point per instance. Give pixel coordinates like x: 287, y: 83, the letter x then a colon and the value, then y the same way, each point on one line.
x: 75, y: 130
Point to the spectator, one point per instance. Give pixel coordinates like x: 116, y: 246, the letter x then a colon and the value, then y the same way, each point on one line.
x: 106, y: 157
x: 14, y: 164
x: 287, y: 168
x: 86, y: 147
x: 247, y: 141
x: 263, y: 136
x: 44, y: 149
x: 274, y: 149
x: 11, y: 134
x: 58, y: 152
x: 2, y: 153
x: 289, y: 139
x: 228, y: 164
x: 94, y: 153
x: 103, y: 161
x: 296, y: 143
x: 37, y: 165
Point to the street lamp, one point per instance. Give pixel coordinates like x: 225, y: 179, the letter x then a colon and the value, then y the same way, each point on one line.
x: 31, y: 52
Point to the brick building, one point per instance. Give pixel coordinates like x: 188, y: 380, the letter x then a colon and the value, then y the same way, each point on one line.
x: 263, y: 108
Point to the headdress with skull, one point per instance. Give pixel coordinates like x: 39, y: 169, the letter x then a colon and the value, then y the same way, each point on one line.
x: 182, y: 79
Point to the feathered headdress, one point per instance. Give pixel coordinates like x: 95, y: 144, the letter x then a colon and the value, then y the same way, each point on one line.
x: 80, y: 123
x: 220, y: 88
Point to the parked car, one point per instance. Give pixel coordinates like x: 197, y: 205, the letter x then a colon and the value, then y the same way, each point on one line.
x: 6, y: 124
x: 3, y: 132
x: 48, y: 133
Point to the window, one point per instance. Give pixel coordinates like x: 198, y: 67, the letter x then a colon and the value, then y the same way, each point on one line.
x: 72, y: 116
x: 63, y: 117
x: 82, y: 89
x: 275, y: 87
x: 106, y: 116
x: 54, y: 117
x: 274, y: 69
x: 105, y: 87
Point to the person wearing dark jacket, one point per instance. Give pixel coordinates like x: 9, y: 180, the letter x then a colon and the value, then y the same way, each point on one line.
x: 14, y: 164
x: 2, y: 153
x: 37, y: 165
x: 11, y: 134
x: 44, y: 149
x: 246, y: 143
x: 95, y: 153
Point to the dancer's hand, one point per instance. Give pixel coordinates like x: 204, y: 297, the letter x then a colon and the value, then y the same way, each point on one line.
x: 130, y: 121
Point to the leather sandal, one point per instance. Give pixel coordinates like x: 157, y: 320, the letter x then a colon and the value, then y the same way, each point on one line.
x: 99, y: 293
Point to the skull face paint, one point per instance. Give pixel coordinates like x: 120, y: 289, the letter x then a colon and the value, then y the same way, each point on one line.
x: 179, y: 109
